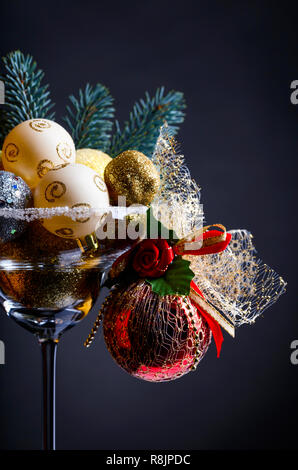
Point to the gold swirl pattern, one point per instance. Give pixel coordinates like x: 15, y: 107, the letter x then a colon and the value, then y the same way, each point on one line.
x: 99, y: 183
x: 11, y: 152
x: 80, y: 219
x: 55, y: 190
x: 39, y: 125
x: 103, y: 217
x: 64, y: 151
x: 43, y: 167
x: 64, y: 232
x: 46, y: 165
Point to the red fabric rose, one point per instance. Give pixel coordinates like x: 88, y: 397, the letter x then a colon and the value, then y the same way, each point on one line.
x: 152, y: 258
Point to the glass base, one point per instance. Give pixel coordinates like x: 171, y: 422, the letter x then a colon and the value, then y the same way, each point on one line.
x: 61, y: 309
x: 46, y: 324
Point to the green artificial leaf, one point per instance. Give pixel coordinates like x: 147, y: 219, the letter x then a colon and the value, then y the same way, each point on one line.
x: 176, y: 279
x: 158, y: 229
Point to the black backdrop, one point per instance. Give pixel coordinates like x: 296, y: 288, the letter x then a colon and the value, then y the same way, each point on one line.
x: 235, y: 62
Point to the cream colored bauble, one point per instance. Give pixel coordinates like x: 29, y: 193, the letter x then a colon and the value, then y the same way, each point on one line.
x: 77, y: 186
x: 36, y: 146
x: 95, y: 159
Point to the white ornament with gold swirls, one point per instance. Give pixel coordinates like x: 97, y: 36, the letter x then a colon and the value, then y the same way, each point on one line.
x: 74, y: 186
x: 34, y: 147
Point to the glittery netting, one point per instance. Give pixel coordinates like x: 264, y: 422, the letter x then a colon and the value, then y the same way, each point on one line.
x: 236, y: 282
x: 153, y: 338
x: 177, y: 203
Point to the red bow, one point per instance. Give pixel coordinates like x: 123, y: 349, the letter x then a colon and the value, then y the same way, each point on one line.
x: 206, y: 242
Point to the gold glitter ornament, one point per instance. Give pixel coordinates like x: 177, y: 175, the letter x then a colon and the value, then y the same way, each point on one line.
x: 94, y: 159
x: 132, y: 175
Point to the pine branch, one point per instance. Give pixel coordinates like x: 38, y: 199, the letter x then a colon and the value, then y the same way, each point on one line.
x: 25, y: 96
x: 88, y: 117
x: 141, y: 131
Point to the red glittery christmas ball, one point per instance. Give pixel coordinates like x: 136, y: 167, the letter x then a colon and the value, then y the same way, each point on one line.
x: 151, y: 337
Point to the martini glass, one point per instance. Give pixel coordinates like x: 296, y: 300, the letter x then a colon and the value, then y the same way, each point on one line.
x: 48, y: 285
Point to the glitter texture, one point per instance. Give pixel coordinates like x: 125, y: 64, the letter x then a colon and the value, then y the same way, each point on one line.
x: 133, y: 175
x: 14, y: 194
x: 44, y: 287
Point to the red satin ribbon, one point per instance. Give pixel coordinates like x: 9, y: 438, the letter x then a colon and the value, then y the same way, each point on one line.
x: 213, y: 325
x: 206, y: 249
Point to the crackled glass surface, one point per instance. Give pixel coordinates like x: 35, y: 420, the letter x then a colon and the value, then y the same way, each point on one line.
x: 151, y: 337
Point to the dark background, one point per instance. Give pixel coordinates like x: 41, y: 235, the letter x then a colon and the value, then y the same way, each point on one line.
x: 235, y: 62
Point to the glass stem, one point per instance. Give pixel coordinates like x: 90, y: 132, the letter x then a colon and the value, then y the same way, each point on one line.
x: 48, y: 350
